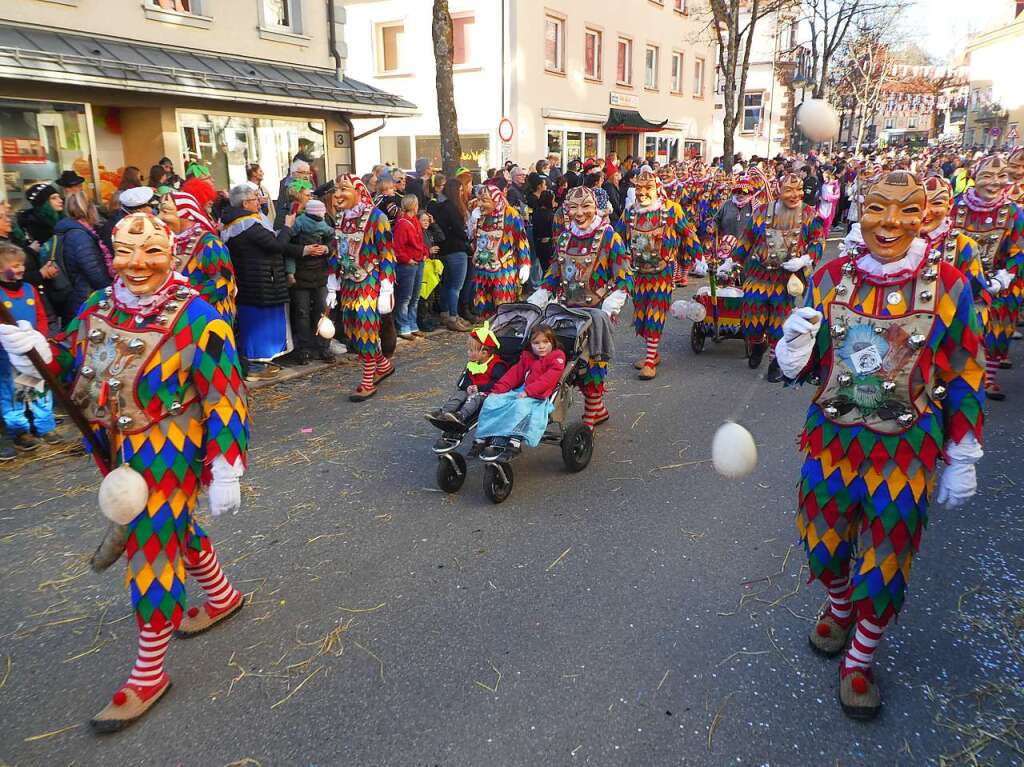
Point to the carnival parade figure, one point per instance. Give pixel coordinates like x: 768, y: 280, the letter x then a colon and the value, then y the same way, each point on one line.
x: 781, y: 240
x: 891, y: 333
x: 657, y: 236
x: 153, y: 369
x: 502, y: 255
x: 1015, y: 165
x: 363, y: 281
x: 996, y: 224
x: 200, y: 255
x: 591, y: 272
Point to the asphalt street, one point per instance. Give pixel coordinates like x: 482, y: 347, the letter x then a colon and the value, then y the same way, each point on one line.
x: 644, y: 612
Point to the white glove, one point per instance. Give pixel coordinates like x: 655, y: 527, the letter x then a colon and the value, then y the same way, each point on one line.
x: 802, y: 323
x: 524, y: 273
x: 333, y: 283
x: 225, y: 495
x: 700, y: 268
x: 797, y: 263
x: 613, y: 304
x: 540, y: 298
x: 331, y: 299
x: 1000, y: 281
x: 386, y: 298
x: 18, y: 340
x: 959, y: 481
x: 725, y: 268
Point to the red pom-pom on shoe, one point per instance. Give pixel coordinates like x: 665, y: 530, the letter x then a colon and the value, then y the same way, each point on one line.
x: 120, y: 698
x: 859, y: 684
x: 823, y: 629
x: 193, y: 612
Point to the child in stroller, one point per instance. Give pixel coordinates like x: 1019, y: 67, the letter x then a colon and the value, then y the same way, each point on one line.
x: 483, y: 369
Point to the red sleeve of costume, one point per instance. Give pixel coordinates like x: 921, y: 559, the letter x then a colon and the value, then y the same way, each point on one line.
x: 541, y: 385
x: 42, y: 324
x: 513, y: 376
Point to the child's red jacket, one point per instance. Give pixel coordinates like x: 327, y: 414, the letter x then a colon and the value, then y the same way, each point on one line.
x: 540, y: 374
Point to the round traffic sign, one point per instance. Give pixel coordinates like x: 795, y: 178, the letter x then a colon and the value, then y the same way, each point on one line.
x: 505, y: 130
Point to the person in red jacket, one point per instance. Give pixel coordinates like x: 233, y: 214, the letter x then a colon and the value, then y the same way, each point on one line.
x: 518, y: 406
x: 483, y: 370
x: 410, y: 254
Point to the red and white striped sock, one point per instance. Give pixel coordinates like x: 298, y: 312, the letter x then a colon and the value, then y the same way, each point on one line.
x: 209, y: 575
x: 383, y: 365
x: 991, y: 369
x: 149, y: 664
x: 839, y: 605
x: 652, y: 351
x: 678, y: 273
x: 369, y: 368
x: 593, y: 409
x: 865, y: 641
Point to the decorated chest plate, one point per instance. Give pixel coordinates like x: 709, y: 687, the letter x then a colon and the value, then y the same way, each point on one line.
x: 781, y: 246
x: 987, y: 229
x: 645, y: 246
x: 351, y: 265
x: 577, y: 259
x: 487, y: 255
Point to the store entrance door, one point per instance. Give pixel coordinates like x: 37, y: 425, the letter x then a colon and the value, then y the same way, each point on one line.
x: 623, y: 144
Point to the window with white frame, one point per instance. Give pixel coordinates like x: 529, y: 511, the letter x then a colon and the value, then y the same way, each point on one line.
x: 592, y: 49
x: 179, y: 6
x: 281, y: 15
x: 753, y: 111
x: 624, y: 61
x: 889, y: 123
x: 554, y: 44
x: 462, y: 34
x: 677, y: 72
x: 651, y: 67
x: 912, y: 122
x: 680, y: 6
x: 390, y: 39
x: 698, y: 78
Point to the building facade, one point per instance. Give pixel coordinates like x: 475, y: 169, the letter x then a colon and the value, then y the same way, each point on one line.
x: 575, y: 78
x: 97, y: 85
x: 995, y: 109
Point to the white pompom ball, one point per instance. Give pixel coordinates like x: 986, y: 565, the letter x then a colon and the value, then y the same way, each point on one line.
x: 123, y: 495
x: 818, y: 120
x: 794, y: 286
x: 325, y: 328
x: 733, y: 452
x: 678, y: 309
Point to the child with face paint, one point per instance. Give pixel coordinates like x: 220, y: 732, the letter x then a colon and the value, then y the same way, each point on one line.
x: 985, y: 213
x: 783, y: 238
x: 891, y: 333
x: 18, y: 400
x: 502, y: 255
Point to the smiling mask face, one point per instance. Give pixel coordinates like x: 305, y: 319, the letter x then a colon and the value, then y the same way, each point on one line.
x: 792, y: 191
x: 143, y: 252
x: 646, y: 189
x: 940, y: 200
x: 991, y: 178
x: 893, y: 211
x: 580, y: 206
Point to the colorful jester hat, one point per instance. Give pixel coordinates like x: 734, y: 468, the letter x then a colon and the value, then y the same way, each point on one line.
x: 497, y: 197
x: 486, y: 338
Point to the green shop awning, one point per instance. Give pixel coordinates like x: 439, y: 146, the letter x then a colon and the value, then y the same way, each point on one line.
x: 630, y: 121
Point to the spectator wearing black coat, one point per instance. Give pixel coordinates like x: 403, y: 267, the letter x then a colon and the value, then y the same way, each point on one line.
x: 39, y: 221
x: 258, y: 255
x: 419, y: 184
x: 450, y: 214
x: 83, y: 255
x: 543, y: 228
x: 611, y: 188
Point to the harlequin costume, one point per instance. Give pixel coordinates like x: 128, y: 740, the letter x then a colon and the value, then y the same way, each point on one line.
x: 502, y: 254
x: 891, y: 333
x: 997, y: 226
x: 657, y: 236
x: 780, y: 240
x: 590, y: 271
x: 364, y: 281
x: 202, y: 258
x: 155, y: 373
x: 1015, y: 166
x: 17, y: 400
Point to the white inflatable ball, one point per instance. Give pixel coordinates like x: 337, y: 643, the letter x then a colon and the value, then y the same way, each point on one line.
x: 123, y: 495
x: 818, y: 120
x: 733, y: 452
x: 325, y: 328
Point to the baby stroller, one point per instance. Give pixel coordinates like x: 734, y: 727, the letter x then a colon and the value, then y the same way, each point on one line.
x: 512, y: 324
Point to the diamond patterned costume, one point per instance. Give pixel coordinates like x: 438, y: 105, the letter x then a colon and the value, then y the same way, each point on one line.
x: 206, y: 264
x: 870, y: 462
x: 502, y: 248
x: 170, y: 377
x: 766, y: 302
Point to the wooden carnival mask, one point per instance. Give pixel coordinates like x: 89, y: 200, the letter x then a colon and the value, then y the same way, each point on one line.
x: 894, y: 208
x: 1015, y: 165
x: 346, y: 195
x: 991, y: 178
x: 792, y: 191
x: 940, y: 200
x: 168, y: 213
x: 581, y: 206
x: 143, y: 252
x: 646, y: 184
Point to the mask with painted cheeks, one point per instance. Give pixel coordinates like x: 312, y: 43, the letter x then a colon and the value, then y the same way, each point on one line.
x: 646, y: 185
x: 940, y: 201
x: 792, y: 191
x: 581, y: 206
x: 893, y: 210
x: 991, y: 178
x: 143, y: 252
x: 1015, y: 165
x: 346, y: 195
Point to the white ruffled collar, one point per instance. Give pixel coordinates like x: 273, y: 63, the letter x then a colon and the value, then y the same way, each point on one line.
x: 578, y: 231
x: 868, y: 264
x: 940, y: 231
